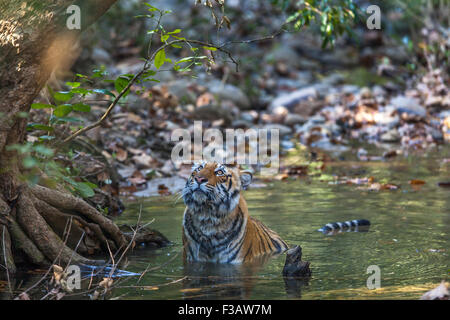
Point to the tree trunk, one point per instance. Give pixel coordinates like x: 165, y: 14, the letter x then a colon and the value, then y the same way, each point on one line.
x: 37, y: 224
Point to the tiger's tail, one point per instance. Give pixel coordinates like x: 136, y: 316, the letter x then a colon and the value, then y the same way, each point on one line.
x: 351, y: 225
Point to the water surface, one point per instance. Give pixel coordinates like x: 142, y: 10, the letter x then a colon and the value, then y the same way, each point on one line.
x: 408, y: 239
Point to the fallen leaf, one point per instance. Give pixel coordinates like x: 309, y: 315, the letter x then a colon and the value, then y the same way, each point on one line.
x: 137, y: 178
x: 163, y: 190
x: 281, y: 176
x: 416, y: 181
x: 121, y: 154
x: 127, y: 190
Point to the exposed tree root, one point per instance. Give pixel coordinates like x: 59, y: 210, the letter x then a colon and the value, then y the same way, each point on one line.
x: 42, y: 235
x: 42, y: 226
x: 94, y: 237
x: 69, y: 203
x: 24, y: 244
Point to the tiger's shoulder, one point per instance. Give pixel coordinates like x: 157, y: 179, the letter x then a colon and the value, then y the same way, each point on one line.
x: 260, y: 240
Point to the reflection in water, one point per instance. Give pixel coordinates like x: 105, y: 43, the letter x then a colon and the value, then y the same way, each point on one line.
x: 207, y: 280
x: 294, y: 286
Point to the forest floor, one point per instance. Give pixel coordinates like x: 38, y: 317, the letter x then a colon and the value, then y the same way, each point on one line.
x: 324, y: 102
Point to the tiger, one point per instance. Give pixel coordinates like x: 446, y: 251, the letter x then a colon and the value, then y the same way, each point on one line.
x: 216, y: 224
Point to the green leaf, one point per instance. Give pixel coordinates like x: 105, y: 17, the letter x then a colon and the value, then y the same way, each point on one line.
x: 90, y: 184
x: 63, y: 110
x: 120, y: 83
x: 43, y: 150
x: 105, y: 91
x: 29, y: 162
x: 84, y: 189
x: 38, y: 126
x: 46, y: 137
x: 21, y: 114
x: 179, y: 38
x: 41, y: 106
x: 160, y: 58
x: 81, y: 91
x: 149, y: 73
x: 210, y: 48
x: 73, y: 84
x: 65, y: 119
x: 174, y: 31
x: 164, y: 37
x: 151, y: 8
x: 63, y: 96
x: 81, y: 107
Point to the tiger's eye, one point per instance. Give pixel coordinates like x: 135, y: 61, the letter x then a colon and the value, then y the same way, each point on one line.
x: 220, y: 172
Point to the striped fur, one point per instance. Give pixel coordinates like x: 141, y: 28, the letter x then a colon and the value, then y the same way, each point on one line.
x: 216, y: 223
x: 351, y: 225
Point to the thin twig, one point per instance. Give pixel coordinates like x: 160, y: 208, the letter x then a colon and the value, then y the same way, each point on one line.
x: 50, y: 268
x: 157, y: 285
x: 6, y: 262
x: 129, y: 244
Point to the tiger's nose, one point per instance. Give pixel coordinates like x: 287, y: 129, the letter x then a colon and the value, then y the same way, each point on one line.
x: 201, y: 179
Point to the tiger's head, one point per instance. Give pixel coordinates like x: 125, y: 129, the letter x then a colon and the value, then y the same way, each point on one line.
x: 214, y: 188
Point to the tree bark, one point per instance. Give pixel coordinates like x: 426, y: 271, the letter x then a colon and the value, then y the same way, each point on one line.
x: 35, y: 222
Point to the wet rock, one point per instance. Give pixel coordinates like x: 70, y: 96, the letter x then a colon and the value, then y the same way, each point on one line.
x: 136, y: 103
x: 366, y: 93
x: 391, y: 136
x: 283, y: 130
x: 182, y: 89
x: 292, y: 119
x: 296, y: 80
x: 333, y: 79
x: 101, y: 56
x: 130, y: 66
x: 408, y: 105
x: 280, y: 111
x: 241, y: 124
x: 294, y: 266
x: 317, y: 119
x: 436, y: 134
x: 350, y: 89
x: 155, y: 186
x: 283, y: 53
x: 229, y: 92
x: 147, y: 237
x: 387, y: 119
x: 378, y: 91
x: 249, y: 116
x: 327, y: 145
x: 287, y: 144
x: 291, y: 99
x: 212, y: 112
x: 126, y: 172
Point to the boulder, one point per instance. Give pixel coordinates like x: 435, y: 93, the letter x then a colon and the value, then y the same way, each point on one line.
x: 391, y: 136
x: 229, y: 92
x: 283, y: 130
x: 408, y: 105
x: 289, y: 100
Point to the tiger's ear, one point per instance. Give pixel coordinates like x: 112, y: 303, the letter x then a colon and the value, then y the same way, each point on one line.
x: 246, y: 178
